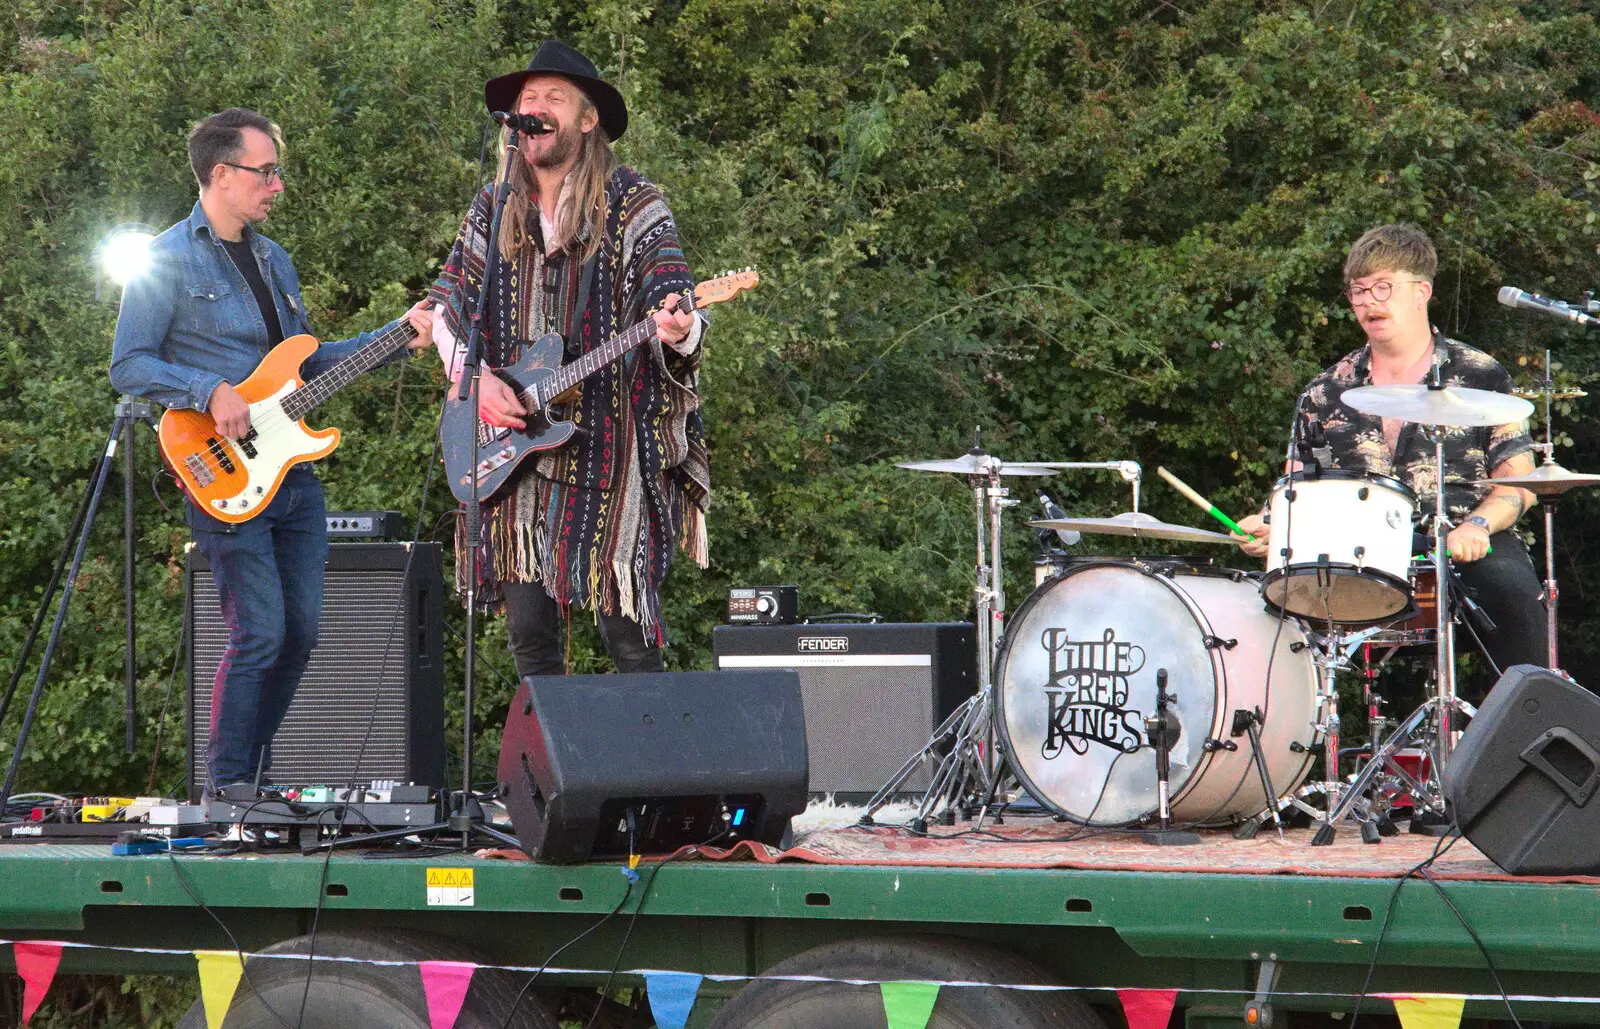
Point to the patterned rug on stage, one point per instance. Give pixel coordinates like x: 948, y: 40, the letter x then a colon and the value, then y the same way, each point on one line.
x: 1038, y: 843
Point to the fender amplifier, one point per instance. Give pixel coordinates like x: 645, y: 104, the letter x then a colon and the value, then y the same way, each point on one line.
x: 378, y: 662
x: 874, y: 692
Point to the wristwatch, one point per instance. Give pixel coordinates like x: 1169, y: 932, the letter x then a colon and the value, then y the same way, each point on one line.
x: 1481, y: 522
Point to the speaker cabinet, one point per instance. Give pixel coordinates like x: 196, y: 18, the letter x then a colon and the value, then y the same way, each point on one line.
x: 378, y: 661
x: 1521, y: 784
x: 873, y: 692
x: 685, y: 757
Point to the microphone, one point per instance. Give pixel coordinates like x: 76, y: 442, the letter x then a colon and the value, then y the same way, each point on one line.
x: 527, y: 124
x: 1511, y: 296
x: 1051, y: 511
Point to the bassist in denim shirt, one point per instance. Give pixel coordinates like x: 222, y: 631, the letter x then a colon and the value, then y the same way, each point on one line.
x: 218, y: 297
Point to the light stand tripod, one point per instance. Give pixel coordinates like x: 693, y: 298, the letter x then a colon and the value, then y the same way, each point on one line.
x: 129, y: 413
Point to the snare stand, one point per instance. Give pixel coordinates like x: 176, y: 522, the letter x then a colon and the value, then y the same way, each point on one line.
x: 1436, y: 715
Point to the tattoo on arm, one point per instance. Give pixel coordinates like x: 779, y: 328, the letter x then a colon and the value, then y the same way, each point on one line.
x: 1514, y: 499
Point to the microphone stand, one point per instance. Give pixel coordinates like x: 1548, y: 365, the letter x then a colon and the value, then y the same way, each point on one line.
x: 466, y: 814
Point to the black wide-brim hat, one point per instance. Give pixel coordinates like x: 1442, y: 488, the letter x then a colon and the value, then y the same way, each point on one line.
x: 557, y: 58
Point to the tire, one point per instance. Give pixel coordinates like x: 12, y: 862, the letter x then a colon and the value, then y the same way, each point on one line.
x: 352, y: 995
x: 768, y: 1004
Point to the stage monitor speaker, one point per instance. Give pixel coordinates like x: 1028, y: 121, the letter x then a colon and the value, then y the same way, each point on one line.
x: 692, y: 755
x: 378, y: 661
x: 1521, y: 784
x: 874, y: 692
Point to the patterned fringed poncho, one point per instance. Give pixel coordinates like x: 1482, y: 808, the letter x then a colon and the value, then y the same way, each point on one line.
x: 597, y: 520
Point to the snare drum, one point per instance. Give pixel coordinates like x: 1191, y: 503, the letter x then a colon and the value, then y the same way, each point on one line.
x: 1339, y: 547
x: 1077, y: 677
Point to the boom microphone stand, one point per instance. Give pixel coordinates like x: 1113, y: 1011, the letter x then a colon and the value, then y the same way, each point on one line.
x: 466, y: 813
x: 129, y: 412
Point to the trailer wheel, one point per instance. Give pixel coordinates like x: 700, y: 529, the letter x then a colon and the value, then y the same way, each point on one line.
x: 776, y: 1004
x: 355, y: 995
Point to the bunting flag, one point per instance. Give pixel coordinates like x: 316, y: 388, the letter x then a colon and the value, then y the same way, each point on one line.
x: 1147, y: 1009
x: 672, y: 997
x: 1428, y: 1010
x: 36, y: 963
x: 219, y: 977
x: 445, y: 984
x: 909, y: 1005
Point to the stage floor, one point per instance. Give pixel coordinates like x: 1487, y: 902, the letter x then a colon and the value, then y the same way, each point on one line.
x: 1036, y: 843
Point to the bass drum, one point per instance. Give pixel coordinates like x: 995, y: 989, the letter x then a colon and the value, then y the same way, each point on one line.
x: 1077, y: 676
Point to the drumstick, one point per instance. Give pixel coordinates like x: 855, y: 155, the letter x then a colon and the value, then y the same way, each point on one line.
x: 1201, y: 502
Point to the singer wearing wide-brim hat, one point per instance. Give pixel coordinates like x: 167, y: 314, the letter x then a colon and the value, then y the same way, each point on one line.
x: 588, y: 250
x: 557, y: 58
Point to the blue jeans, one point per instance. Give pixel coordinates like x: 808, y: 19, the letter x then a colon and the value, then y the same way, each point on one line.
x: 268, y: 574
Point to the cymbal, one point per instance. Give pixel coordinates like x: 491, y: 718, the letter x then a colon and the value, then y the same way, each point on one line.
x: 1452, y: 405
x: 1140, y: 525
x: 1548, y: 480
x: 980, y: 464
x: 1564, y: 393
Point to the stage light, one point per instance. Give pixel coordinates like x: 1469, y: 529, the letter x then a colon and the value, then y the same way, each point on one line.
x: 124, y: 253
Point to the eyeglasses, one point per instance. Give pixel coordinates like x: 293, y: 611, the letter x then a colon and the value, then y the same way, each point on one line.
x: 1379, y: 291
x: 268, y: 172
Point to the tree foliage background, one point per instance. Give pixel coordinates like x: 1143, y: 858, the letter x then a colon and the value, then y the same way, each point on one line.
x: 1100, y: 229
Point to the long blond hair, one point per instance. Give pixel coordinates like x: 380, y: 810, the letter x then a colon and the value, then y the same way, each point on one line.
x: 585, y: 216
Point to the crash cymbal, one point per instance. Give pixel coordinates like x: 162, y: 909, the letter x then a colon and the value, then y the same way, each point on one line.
x: 980, y: 464
x: 1141, y: 525
x: 1452, y: 405
x: 1564, y: 393
x: 1548, y: 480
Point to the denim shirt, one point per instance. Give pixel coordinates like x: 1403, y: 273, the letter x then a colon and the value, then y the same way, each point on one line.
x: 191, y: 323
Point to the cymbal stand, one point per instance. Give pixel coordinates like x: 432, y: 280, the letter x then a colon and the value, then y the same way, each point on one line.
x: 970, y: 765
x: 1552, y: 593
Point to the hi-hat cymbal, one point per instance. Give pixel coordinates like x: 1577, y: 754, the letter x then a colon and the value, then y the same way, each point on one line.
x: 981, y: 464
x: 1141, y: 525
x: 1547, y: 480
x: 1452, y: 405
x: 1564, y: 393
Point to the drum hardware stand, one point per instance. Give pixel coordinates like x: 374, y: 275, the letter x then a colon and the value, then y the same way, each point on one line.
x: 1162, y: 730
x: 1248, y: 721
x: 129, y: 412
x: 967, y: 768
x: 970, y: 764
x: 1438, y: 711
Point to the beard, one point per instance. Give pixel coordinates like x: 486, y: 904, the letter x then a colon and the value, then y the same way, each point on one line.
x: 563, y: 147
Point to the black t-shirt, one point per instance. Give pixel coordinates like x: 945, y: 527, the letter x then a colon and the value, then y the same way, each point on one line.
x: 246, y: 262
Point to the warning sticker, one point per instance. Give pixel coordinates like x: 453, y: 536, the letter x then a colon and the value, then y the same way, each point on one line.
x: 450, y: 887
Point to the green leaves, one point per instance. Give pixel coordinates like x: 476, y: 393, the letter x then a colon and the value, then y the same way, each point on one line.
x: 1099, y: 229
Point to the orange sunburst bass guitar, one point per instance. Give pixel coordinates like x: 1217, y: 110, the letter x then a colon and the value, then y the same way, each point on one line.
x: 232, y: 480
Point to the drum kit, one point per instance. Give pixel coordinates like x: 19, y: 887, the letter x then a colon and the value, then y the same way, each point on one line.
x: 1138, y: 692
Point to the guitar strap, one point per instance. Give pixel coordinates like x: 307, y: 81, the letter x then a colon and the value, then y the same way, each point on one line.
x: 574, y: 342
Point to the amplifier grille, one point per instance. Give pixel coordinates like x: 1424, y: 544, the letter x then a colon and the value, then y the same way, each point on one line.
x: 377, y: 662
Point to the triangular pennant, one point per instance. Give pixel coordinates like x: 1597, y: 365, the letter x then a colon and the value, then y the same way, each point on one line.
x: 1147, y: 1009
x: 36, y: 963
x: 219, y: 977
x: 1429, y: 1010
x: 445, y: 984
x: 909, y: 1005
x: 672, y: 997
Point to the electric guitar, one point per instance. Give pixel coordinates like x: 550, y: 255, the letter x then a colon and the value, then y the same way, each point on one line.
x: 233, y: 479
x: 541, y: 380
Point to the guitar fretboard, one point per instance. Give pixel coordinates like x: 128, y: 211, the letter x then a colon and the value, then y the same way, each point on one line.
x: 300, y: 403
x: 569, y: 375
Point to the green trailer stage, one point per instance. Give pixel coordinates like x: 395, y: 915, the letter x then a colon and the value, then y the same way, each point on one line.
x: 1208, y: 933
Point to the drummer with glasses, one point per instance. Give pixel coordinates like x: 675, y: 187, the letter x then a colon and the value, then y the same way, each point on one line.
x: 1388, y: 278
